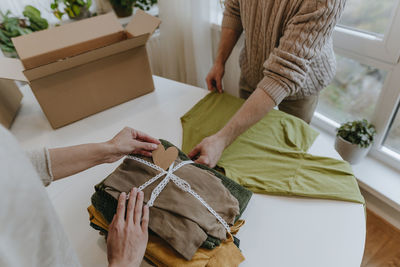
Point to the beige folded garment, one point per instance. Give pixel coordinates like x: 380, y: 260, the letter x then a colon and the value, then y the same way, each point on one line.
x: 178, y: 217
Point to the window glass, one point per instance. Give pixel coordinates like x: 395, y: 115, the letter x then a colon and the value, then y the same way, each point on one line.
x: 353, y: 93
x: 393, y: 138
x: 368, y: 15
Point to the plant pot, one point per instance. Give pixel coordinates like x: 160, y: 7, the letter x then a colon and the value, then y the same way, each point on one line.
x: 122, y: 11
x: 103, y: 6
x: 350, y: 152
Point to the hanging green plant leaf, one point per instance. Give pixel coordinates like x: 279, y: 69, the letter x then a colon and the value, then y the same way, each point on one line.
x: 80, y: 2
x: 76, y: 9
x: 11, y: 26
x: 37, y: 23
x: 69, y: 11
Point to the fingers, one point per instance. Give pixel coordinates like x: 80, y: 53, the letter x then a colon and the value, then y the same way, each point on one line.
x: 147, y: 138
x: 121, y: 207
x: 219, y: 84
x: 145, y: 219
x: 203, y: 160
x: 143, y: 153
x: 138, y: 208
x: 112, y: 222
x: 139, y: 146
x: 194, y: 152
x: 131, y: 205
x: 209, y: 84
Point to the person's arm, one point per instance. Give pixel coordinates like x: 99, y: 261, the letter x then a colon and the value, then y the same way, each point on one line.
x: 253, y: 110
x: 67, y: 161
x: 285, y: 72
x: 230, y: 33
x: 128, y: 235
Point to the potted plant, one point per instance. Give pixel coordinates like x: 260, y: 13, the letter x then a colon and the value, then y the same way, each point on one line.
x: 75, y: 9
x: 354, y: 140
x: 124, y: 8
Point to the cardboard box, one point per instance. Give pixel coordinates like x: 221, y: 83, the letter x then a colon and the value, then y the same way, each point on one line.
x: 10, y: 101
x: 84, y: 67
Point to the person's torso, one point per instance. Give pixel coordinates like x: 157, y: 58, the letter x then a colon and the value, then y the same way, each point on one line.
x: 264, y: 23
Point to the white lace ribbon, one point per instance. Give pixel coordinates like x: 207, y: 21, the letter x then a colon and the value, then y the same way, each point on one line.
x: 182, y: 184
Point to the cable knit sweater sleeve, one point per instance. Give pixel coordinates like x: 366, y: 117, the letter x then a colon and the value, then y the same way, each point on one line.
x: 232, y: 18
x: 304, y: 35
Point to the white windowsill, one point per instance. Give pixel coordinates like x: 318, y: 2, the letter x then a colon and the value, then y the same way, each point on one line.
x: 373, y: 176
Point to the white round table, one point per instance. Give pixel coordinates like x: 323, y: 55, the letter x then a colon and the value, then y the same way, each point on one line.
x: 279, y: 231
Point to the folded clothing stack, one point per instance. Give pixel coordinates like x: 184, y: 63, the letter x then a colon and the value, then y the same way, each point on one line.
x: 158, y: 251
x: 179, y: 219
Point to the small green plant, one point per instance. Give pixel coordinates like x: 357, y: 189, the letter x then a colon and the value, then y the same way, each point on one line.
x: 360, y: 133
x: 36, y: 22
x: 145, y: 4
x: 11, y: 26
x: 75, y: 9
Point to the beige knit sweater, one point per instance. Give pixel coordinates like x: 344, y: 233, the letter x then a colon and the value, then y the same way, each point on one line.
x: 288, y: 46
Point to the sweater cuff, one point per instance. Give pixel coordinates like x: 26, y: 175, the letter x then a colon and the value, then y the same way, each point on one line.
x: 274, y: 89
x: 41, y: 161
x: 233, y: 23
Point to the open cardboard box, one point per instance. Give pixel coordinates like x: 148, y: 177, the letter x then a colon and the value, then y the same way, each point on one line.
x: 84, y: 67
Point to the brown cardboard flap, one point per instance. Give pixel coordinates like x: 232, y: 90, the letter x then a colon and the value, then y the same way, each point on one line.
x: 142, y: 23
x: 56, y: 43
x: 11, y: 69
x: 84, y: 58
x: 10, y: 101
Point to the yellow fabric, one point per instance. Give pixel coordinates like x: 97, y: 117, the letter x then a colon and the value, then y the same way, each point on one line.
x: 227, y: 254
x: 96, y: 218
x: 161, y: 254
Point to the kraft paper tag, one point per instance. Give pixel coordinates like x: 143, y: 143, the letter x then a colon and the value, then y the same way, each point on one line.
x: 164, y: 158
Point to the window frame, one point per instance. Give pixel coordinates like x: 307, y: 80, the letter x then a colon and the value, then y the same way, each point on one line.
x: 385, y: 110
x: 384, y: 48
x: 382, y: 53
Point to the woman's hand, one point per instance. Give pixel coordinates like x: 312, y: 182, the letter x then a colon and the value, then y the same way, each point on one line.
x: 128, y: 141
x: 66, y: 161
x: 127, y: 237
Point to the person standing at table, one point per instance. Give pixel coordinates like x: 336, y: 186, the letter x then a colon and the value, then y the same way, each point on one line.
x: 286, y: 61
x: 31, y: 233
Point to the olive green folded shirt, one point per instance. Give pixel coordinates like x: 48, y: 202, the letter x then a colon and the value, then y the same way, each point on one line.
x: 271, y: 157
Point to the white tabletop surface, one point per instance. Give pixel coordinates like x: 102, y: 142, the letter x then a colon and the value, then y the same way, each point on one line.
x: 279, y: 231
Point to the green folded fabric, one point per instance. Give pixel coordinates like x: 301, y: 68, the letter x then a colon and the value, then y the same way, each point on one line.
x: 106, y: 204
x: 271, y: 156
